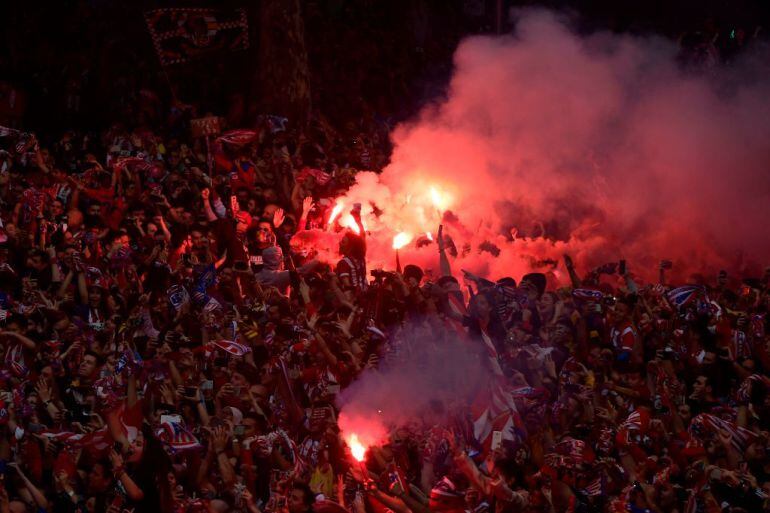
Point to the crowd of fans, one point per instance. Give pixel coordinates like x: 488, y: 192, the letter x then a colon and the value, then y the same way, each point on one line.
x: 167, y: 347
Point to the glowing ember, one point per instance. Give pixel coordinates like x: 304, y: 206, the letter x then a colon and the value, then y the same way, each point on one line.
x: 401, y: 239
x: 357, y: 449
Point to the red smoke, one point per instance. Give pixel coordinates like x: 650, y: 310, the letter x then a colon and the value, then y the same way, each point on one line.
x: 551, y: 143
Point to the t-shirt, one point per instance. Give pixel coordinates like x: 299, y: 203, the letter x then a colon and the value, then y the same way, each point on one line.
x: 355, y: 270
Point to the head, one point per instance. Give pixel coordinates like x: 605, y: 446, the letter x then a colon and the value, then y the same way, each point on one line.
x: 89, y: 366
x: 99, y: 478
x: 301, y: 499
x: 263, y: 234
x: 242, y: 222
x: 701, y: 388
x: 481, y: 306
x: 352, y: 246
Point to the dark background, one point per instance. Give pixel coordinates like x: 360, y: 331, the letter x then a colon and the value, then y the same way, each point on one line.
x: 77, y: 64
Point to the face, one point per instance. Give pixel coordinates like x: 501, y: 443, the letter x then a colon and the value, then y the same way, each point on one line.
x: 87, y: 366
x: 94, y: 296
x: 36, y: 262
x: 249, y: 428
x: 136, y: 449
x: 700, y: 387
x: 198, y: 240
x: 238, y: 380
x: 57, y: 208
x: 482, y: 306
x: 98, y: 479
x: 545, y: 305
x: 263, y: 233
x: 296, y: 501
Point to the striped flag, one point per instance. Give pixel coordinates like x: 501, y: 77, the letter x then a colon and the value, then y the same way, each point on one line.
x: 684, y: 295
x: 6, y: 132
x: 588, y: 294
x: 744, y: 391
x: 494, y: 410
x: 232, y: 347
x: 706, y: 424
x: 176, y: 436
x: 97, y: 441
x: 239, y: 137
x: 444, y: 497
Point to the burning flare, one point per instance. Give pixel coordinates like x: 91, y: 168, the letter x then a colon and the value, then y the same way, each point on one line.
x: 401, y: 239
x: 335, y: 212
x: 357, y: 449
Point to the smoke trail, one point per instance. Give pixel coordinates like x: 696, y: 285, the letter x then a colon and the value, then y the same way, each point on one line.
x: 422, y: 375
x: 600, y: 146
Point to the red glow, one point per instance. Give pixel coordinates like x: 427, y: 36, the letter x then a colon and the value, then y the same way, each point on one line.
x: 401, y: 239
x: 335, y: 212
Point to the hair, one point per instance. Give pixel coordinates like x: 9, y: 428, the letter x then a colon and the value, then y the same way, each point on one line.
x: 356, y: 245
x: 98, y: 357
x: 151, y: 474
x: 308, y: 495
x: 412, y: 271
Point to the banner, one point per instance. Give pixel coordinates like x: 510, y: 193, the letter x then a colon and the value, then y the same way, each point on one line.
x: 183, y: 34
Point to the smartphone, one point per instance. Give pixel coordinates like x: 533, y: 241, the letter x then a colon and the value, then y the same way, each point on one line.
x: 239, y: 430
x: 497, y: 440
x: 189, y: 391
x: 207, y: 385
x: 622, y: 267
x: 666, y: 264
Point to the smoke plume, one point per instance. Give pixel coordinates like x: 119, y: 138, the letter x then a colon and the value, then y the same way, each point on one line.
x: 601, y: 146
x: 422, y: 376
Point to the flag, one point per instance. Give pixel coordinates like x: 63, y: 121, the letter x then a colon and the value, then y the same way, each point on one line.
x: 494, y: 410
x: 6, y: 132
x: 239, y: 137
x: 444, y: 497
x: 97, y: 441
x: 181, y: 34
x: 176, y: 436
x: 705, y: 424
x: 596, y: 487
x: 14, y: 360
x: 588, y: 294
x: 234, y: 348
x: 682, y: 296
x: 178, y: 296
x: 744, y: 391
